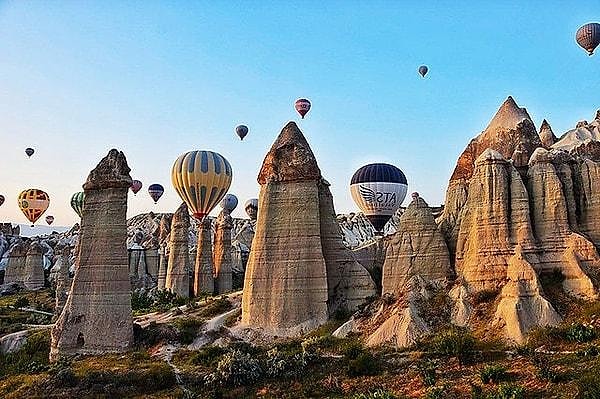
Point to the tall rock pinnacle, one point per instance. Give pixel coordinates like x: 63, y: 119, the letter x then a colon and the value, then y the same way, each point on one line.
x: 97, y: 315
x: 547, y: 136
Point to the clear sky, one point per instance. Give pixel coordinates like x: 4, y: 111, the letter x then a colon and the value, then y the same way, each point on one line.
x: 158, y: 78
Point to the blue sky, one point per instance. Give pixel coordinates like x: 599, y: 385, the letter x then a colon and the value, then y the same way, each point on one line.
x: 156, y: 79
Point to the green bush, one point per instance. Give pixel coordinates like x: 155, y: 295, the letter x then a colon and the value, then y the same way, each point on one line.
x: 215, y: 308
x: 157, y: 377
x: 492, y: 374
x: 578, y: 332
x: 589, y: 385
x: 378, y: 394
x: 141, y: 300
x: 427, y: 371
x: 235, y: 368
x: 508, y: 391
x: 544, y: 369
x: 32, y: 358
x: 360, y: 361
x: 188, y: 329
x: 456, y: 342
x: 208, y: 356
x: 590, y: 351
x: 21, y: 302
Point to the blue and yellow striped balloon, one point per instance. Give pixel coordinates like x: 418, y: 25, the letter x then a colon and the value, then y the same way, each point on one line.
x: 201, y: 178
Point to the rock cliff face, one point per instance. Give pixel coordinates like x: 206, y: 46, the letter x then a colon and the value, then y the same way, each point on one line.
x: 97, y: 315
x: 298, y: 271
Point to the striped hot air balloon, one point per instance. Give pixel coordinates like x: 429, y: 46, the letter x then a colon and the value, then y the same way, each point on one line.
x: 378, y: 189
x: 156, y: 191
x: 201, y: 178
x: 33, y: 203
x: 302, y: 106
x: 588, y: 37
x: 77, y: 203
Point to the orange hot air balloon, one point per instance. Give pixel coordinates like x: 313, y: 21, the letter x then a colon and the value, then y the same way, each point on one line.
x: 302, y: 105
x: 33, y: 203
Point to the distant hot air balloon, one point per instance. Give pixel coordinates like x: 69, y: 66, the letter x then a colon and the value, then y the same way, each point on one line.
x: 1, y: 200
x: 33, y: 203
x: 201, y: 178
x: 49, y: 219
x: 251, y: 208
x: 588, y: 37
x: 229, y: 202
x: 423, y: 70
x: 136, y: 186
x: 378, y: 189
x: 241, y: 131
x: 156, y: 191
x: 29, y: 151
x: 77, y: 203
x: 302, y: 105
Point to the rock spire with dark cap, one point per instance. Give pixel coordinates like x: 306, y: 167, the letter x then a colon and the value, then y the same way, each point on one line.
x: 97, y: 315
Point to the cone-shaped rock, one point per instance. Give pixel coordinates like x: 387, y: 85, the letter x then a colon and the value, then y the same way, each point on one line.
x: 15, y: 268
x: 222, y: 253
x: 97, y: 315
x: 177, y: 278
x: 204, y: 270
x: 547, y: 136
x: 285, y: 287
x: 34, y: 267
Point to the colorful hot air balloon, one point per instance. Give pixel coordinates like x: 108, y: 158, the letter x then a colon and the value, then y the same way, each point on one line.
x: 29, y: 151
x: 49, y: 219
x: 251, y: 208
x: 136, y: 186
x: 241, y: 131
x: 77, y: 203
x: 1, y: 200
x: 33, y: 203
x: 378, y: 189
x: 201, y: 178
x: 229, y: 202
x: 588, y: 37
x: 302, y: 105
x: 156, y: 191
x: 423, y: 70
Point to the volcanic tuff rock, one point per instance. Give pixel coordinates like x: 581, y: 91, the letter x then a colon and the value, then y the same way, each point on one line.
x: 33, y: 272
x: 177, y: 278
x: 296, y: 245
x: 15, y: 268
x: 163, y: 239
x: 204, y: 270
x: 510, y: 130
x: 547, y: 136
x: 97, y: 315
x: 222, y: 253
x: 63, y: 283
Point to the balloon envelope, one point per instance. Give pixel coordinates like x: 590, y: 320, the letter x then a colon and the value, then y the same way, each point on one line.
x: 2, y: 199
x: 49, y: 219
x: 229, y: 202
x: 241, y: 131
x: 156, y: 191
x: 29, y: 151
x: 302, y: 105
x: 136, y: 186
x: 378, y: 189
x: 251, y: 207
x: 423, y: 70
x: 588, y: 37
x: 201, y: 178
x: 33, y: 203
x: 77, y: 203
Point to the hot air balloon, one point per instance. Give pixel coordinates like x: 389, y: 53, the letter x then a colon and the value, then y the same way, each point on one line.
x: 33, y: 203
x: 201, y: 178
x: 229, y: 202
x: 251, y: 208
x: 378, y: 189
x: 242, y: 131
x: 77, y: 203
x: 1, y: 200
x: 29, y: 152
x: 302, y: 105
x: 136, y: 186
x: 156, y: 191
x: 588, y: 37
x: 49, y: 219
x: 423, y: 70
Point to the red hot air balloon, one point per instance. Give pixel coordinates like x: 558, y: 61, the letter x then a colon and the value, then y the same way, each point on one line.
x: 156, y: 191
x: 49, y: 219
x: 588, y: 37
x: 302, y: 105
x: 136, y: 186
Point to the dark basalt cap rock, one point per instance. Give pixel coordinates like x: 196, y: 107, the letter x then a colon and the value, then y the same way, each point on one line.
x: 111, y: 172
x: 290, y: 159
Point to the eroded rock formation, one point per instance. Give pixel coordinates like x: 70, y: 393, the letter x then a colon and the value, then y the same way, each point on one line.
x: 33, y: 274
x: 177, y: 278
x: 97, y: 315
x: 222, y: 253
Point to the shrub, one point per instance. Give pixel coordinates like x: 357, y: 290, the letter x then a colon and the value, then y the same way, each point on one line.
x: 544, y: 369
x: 279, y: 364
x: 208, y: 356
x: 492, y: 374
x: 457, y: 342
x: 590, y: 351
x: 188, y: 329
x: 155, y: 378
x: 140, y: 300
x: 589, y: 385
x: 215, y: 308
x: 578, y: 332
x: 378, y: 394
x: 21, y: 302
x: 427, y: 370
x: 508, y: 391
x: 360, y: 361
x: 235, y: 368
x: 31, y: 358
